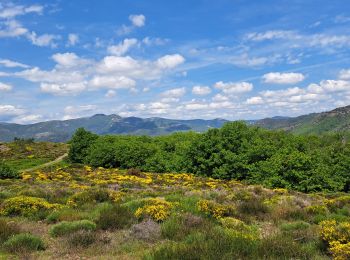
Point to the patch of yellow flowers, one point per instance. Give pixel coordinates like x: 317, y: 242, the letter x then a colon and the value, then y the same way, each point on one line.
x: 212, y: 208
x: 337, y: 236
x: 156, y: 208
x: 25, y: 206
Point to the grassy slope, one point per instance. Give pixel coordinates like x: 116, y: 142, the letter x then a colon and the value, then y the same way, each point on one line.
x: 24, y: 156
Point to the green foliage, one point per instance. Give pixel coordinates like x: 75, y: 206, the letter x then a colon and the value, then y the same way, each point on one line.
x: 115, y: 217
x: 6, y: 172
x: 79, y: 145
x: 236, y: 151
x: 81, y: 238
x: 23, y: 243
x: 64, y: 228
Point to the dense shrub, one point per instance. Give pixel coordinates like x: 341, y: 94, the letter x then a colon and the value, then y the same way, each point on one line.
x: 23, y: 243
x: 115, y: 217
x: 65, y: 227
x: 236, y: 151
x: 6, y: 172
x: 79, y: 145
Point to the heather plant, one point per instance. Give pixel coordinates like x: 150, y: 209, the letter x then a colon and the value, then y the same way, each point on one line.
x: 64, y: 228
x: 23, y: 243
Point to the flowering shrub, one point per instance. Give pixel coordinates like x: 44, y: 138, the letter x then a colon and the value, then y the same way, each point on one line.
x: 214, y: 209
x: 89, y: 196
x: 340, y: 251
x: 317, y: 209
x: 337, y: 236
x: 156, y: 208
x: 26, y: 206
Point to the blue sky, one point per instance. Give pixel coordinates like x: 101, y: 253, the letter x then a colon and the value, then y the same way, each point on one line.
x: 176, y: 59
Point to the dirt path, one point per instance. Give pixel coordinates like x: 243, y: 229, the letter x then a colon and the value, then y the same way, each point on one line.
x: 57, y: 160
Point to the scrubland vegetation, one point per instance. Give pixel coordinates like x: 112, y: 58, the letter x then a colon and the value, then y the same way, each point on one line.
x: 233, y: 193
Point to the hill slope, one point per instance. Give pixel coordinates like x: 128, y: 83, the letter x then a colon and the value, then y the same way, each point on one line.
x: 60, y: 131
x: 317, y: 123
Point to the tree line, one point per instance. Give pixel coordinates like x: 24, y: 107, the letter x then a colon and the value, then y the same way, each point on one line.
x: 235, y: 151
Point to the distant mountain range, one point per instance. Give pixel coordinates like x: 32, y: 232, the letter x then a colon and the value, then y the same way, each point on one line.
x: 336, y: 120
x: 61, y: 131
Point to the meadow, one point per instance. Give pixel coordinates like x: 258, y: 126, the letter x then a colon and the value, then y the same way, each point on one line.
x: 73, y: 210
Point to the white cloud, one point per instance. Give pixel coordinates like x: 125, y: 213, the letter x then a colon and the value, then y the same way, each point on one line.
x: 254, y: 101
x: 174, y: 93
x: 68, y: 60
x: 78, y: 111
x: 115, y: 82
x: 28, y: 119
x: 170, y: 61
x: 5, y: 87
x: 10, y: 110
x: 12, y: 64
x: 123, y: 47
x: 234, y: 87
x: 11, y: 11
x: 63, y: 89
x: 330, y: 86
x: 73, y: 39
x: 344, y: 74
x: 283, y: 78
x: 137, y: 20
x: 201, y: 90
x: 12, y: 28
x: 43, y: 40
x: 272, y: 34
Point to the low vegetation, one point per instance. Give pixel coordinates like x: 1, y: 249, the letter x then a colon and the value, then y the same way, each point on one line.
x: 125, y: 210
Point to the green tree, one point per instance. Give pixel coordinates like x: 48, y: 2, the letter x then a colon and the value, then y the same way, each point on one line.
x: 79, y: 145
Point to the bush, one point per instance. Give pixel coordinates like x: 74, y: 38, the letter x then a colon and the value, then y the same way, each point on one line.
x: 92, y: 195
x: 6, y: 172
x: 65, y: 227
x: 22, y: 243
x: 115, y: 217
x: 7, y: 230
x: 66, y: 214
x: 178, y: 227
x: 81, y: 238
x: 26, y: 206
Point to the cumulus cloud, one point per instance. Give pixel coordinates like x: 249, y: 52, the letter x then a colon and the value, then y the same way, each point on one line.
x: 234, y: 87
x: 174, y: 93
x: 73, y: 74
x: 73, y: 39
x: 170, y: 61
x: 10, y: 110
x: 63, y: 89
x: 111, y: 93
x: 114, y: 82
x: 12, y: 28
x: 283, y: 78
x: 43, y: 40
x: 201, y: 90
x: 28, y: 119
x: 123, y: 47
x: 254, y: 101
x: 137, y: 21
x: 5, y: 87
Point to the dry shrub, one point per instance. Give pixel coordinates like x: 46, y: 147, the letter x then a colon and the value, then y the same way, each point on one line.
x: 147, y: 230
